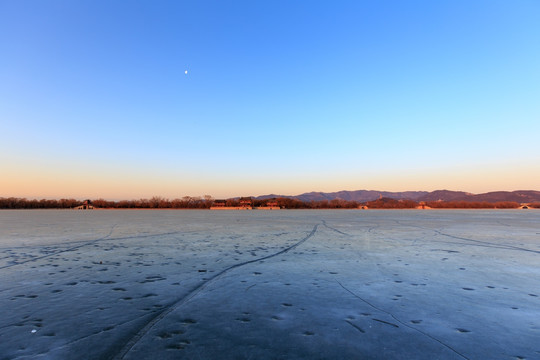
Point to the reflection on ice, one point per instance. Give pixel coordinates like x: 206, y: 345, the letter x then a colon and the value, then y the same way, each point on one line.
x: 285, y: 284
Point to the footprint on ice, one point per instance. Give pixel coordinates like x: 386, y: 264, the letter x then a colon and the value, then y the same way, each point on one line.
x: 164, y: 335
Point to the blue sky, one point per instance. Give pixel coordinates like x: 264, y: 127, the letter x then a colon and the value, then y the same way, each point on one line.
x: 280, y: 97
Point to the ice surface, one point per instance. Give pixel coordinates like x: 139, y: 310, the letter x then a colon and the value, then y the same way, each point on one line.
x: 286, y: 284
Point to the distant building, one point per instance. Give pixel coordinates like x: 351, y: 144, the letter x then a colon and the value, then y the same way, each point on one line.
x: 271, y: 204
x: 219, y: 203
x: 246, y: 202
x: 87, y: 205
x: 422, y: 206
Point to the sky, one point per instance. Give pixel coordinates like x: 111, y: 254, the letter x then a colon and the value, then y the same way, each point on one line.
x: 281, y: 97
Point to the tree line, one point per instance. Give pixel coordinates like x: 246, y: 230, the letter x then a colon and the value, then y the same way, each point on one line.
x: 205, y: 202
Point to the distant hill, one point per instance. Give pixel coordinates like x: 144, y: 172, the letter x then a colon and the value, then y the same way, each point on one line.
x: 361, y: 195
x: 520, y: 196
x: 357, y: 195
x: 447, y: 195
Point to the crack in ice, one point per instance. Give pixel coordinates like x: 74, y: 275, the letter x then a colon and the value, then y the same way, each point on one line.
x: 196, y: 290
x: 401, y: 322
x: 334, y: 229
x: 476, y: 242
x: 487, y: 243
x: 61, y: 251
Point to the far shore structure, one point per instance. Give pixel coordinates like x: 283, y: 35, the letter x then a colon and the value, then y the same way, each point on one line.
x: 86, y: 205
x: 245, y: 203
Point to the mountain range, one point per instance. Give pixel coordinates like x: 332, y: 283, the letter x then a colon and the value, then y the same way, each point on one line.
x: 519, y: 196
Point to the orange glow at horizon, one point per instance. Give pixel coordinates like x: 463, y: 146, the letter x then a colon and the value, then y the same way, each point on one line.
x: 40, y: 183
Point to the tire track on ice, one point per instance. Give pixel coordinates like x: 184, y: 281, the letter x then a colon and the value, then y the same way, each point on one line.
x: 196, y: 290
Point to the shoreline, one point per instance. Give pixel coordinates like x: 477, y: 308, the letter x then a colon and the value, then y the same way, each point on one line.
x: 265, y: 210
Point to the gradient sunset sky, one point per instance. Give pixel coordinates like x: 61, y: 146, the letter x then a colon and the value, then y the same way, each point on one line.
x: 279, y: 97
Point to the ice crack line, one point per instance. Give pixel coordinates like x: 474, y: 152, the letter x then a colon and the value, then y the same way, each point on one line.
x: 475, y: 242
x: 197, y: 289
x: 334, y: 229
x: 83, y: 243
x: 61, y: 251
x: 487, y: 243
x: 401, y: 322
x: 88, y: 242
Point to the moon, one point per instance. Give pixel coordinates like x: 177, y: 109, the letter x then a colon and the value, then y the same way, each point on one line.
x: 185, y: 72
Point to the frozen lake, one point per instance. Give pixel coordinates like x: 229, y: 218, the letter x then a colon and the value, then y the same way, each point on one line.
x: 445, y: 284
